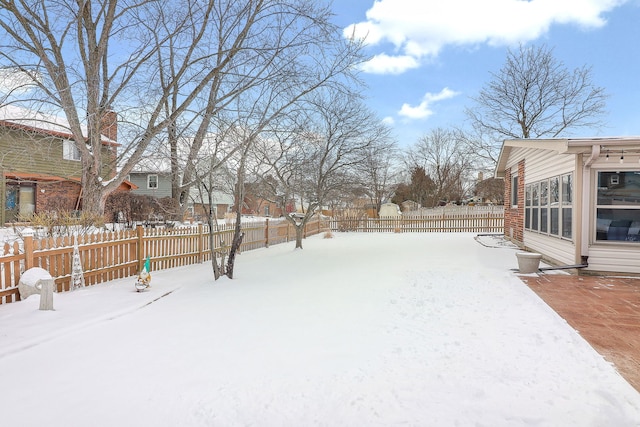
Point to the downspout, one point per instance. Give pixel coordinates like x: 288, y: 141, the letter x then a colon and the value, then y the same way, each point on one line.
x: 586, y: 208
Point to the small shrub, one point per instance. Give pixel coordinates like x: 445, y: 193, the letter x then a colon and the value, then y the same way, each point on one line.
x: 328, y: 235
x: 57, y: 224
x: 397, y: 230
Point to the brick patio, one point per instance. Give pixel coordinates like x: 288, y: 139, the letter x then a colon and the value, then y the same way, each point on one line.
x: 604, y: 310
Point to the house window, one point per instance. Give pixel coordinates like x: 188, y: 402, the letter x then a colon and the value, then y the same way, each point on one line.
x: 152, y: 182
x: 514, y: 191
x: 567, y: 205
x: 535, y: 206
x: 527, y: 206
x: 618, y: 206
x: 19, y: 201
x: 554, y: 205
x: 544, y: 206
x: 70, y: 151
x: 548, y: 206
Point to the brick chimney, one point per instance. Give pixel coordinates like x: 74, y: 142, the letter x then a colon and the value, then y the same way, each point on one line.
x: 109, y: 125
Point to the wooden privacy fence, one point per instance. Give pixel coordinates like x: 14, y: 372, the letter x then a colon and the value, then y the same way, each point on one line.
x: 113, y: 255
x: 444, y: 221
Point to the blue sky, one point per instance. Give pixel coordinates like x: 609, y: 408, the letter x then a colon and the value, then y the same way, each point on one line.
x: 431, y: 56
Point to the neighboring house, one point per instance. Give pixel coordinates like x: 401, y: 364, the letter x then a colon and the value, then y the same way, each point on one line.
x: 41, y: 168
x: 488, y: 191
x: 157, y: 183
x: 575, y: 201
x: 199, y: 204
x: 260, y: 200
x: 255, y: 205
x: 151, y: 182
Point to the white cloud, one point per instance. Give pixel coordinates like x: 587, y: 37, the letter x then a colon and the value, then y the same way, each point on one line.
x: 389, y: 121
x: 421, y: 28
x: 385, y: 64
x: 423, y: 110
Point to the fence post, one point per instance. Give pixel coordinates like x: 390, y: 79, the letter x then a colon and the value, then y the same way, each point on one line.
x: 266, y: 232
x: 28, y: 248
x: 140, y: 233
x: 200, y: 243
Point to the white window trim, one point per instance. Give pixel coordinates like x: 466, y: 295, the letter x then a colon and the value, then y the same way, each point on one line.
x: 535, y: 209
x: 149, y: 187
x: 70, y: 151
x: 594, y: 226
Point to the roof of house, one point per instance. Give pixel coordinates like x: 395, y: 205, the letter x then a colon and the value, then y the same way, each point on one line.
x: 565, y: 146
x: 35, y: 121
x: 26, y: 176
x: 219, y: 197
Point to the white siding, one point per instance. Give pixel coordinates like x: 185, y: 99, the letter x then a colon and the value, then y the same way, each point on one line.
x: 611, y: 256
x: 542, y: 164
x: 539, y: 165
x: 615, y: 258
x: 560, y: 251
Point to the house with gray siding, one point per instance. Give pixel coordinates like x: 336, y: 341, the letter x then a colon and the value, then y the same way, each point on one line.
x: 151, y: 183
x: 155, y: 182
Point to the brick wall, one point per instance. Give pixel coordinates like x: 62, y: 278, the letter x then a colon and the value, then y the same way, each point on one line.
x: 109, y: 128
x: 57, y: 196
x: 514, y: 217
x: 109, y: 125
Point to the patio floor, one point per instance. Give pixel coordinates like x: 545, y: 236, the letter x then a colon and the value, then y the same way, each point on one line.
x: 604, y: 310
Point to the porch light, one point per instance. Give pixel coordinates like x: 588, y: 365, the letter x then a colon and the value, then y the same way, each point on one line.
x: 622, y: 157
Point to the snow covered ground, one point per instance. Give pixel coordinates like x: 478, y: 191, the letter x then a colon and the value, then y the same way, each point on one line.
x: 358, y: 330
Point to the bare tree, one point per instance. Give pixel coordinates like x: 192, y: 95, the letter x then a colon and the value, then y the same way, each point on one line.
x: 534, y: 95
x: 316, y: 160
x: 89, y: 59
x: 379, y: 168
x: 285, y: 50
x: 445, y: 158
x: 164, y: 66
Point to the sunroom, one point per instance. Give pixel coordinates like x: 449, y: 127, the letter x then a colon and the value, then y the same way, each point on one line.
x: 575, y: 201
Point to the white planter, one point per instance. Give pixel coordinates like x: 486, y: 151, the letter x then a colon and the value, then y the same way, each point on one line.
x: 528, y: 262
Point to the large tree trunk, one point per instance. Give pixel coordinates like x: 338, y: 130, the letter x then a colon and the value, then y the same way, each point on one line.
x: 218, y: 268
x: 235, y: 246
x: 299, y: 235
x: 238, y: 235
x: 93, y: 195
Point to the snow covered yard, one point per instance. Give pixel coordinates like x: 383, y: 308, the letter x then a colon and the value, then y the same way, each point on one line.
x: 358, y: 330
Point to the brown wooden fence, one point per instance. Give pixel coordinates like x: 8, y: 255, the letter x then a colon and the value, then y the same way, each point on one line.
x: 114, y: 255
x: 443, y: 221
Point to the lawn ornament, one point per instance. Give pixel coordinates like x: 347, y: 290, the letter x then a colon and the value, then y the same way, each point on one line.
x: 144, y: 278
